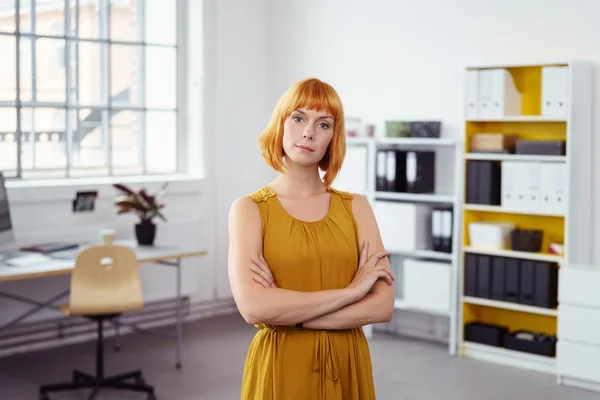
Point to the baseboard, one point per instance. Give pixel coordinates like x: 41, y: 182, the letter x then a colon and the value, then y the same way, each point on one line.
x: 71, y: 330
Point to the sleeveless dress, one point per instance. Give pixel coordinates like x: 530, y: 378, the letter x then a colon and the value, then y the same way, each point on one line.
x: 286, y: 363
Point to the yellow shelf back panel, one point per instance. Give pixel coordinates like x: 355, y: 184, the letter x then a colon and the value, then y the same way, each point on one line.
x: 522, y: 130
x: 553, y: 227
x: 514, y: 320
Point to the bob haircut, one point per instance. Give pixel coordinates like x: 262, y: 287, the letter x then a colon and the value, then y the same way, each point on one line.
x: 316, y: 95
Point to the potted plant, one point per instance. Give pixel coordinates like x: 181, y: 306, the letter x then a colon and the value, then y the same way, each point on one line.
x: 145, y: 206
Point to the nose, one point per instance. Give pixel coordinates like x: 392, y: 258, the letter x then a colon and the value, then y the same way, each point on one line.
x: 308, y: 133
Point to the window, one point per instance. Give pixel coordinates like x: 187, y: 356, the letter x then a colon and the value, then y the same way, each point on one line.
x: 88, y: 88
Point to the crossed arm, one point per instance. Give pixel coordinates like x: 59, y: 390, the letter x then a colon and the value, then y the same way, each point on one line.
x: 327, y: 309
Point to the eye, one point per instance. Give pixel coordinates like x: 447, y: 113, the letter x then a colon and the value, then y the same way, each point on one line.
x: 298, y: 119
x: 324, y: 125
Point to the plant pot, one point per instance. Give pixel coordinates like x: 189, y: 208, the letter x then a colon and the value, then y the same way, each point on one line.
x: 145, y: 232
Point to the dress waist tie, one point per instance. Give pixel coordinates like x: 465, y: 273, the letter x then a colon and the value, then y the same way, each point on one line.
x: 326, y: 364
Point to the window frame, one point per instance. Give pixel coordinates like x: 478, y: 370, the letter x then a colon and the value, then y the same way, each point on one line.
x: 183, y: 171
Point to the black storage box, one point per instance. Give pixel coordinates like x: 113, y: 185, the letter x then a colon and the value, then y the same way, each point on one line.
x: 484, y: 276
x: 526, y: 240
x: 393, y: 169
x: 420, y: 171
x: 425, y: 129
x: 541, y: 147
x: 492, y: 335
x: 546, y: 284
x: 498, y: 278
x: 484, y: 182
x: 512, y: 279
x: 540, y: 344
x: 471, y: 277
x: 527, y: 282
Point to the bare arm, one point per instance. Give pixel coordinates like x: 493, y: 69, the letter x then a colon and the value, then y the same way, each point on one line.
x: 376, y: 306
x: 274, y: 305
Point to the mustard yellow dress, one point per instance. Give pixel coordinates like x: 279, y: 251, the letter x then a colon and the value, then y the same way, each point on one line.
x: 285, y: 363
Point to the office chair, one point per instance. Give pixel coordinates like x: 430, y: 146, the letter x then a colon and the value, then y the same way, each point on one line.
x: 105, y: 283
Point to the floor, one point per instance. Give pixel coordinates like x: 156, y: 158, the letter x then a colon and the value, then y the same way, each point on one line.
x: 214, y: 354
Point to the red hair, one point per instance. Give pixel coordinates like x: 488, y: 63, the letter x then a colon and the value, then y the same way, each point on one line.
x: 316, y: 95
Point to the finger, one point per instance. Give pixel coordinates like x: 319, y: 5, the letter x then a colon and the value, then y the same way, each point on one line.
x: 375, y: 257
x: 257, y: 270
x: 386, y: 270
x: 265, y: 267
x: 385, y: 275
x: 259, y: 279
x: 262, y: 264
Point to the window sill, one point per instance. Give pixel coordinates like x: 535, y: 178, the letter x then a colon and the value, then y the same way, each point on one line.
x: 60, y: 190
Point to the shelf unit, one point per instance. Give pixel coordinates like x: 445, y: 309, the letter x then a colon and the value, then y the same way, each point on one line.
x: 450, y: 200
x: 573, y: 227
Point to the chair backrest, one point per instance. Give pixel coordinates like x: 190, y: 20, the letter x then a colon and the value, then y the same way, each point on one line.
x: 106, y: 280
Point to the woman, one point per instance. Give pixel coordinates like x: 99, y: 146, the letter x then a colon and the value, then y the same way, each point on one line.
x: 306, y: 262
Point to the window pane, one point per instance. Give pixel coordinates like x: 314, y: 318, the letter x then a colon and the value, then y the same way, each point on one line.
x: 126, y: 129
x: 161, y: 142
x: 125, y: 75
x: 89, y: 21
x: 89, y: 145
x: 26, y: 68
x: 43, y: 143
x: 8, y: 68
x: 161, y: 77
x: 50, y: 17
x: 50, y: 70
x: 25, y: 16
x: 161, y: 21
x: 8, y: 139
x: 91, y: 73
x: 7, y: 15
x: 125, y: 21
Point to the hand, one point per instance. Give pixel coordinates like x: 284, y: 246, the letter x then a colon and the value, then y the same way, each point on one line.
x: 262, y: 272
x: 369, y: 272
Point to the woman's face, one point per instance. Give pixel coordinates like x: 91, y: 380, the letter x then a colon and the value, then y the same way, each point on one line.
x: 306, y: 136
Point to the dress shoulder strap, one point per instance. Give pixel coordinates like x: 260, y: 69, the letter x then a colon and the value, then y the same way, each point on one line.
x: 262, y: 194
x: 342, y: 194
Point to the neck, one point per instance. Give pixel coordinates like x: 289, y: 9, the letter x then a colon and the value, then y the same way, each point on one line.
x: 300, y: 181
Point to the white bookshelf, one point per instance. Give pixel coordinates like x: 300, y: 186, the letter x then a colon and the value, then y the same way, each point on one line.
x: 447, y: 196
x: 574, y: 125
x: 504, y: 210
x: 504, y: 305
x: 514, y: 157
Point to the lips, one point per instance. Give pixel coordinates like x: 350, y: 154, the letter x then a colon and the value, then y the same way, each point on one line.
x: 304, y: 148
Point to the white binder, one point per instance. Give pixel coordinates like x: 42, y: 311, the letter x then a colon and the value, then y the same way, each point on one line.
x: 553, y: 188
x: 509, y: 197
x: 472, y: 95
x: 498, y: 94
x: 555, y: 91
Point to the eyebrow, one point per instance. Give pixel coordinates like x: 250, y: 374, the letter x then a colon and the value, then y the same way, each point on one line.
x: 321, y: 117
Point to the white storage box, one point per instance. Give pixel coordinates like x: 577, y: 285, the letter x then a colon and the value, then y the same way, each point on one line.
x: 427, y: 285
x: 403, y: 226
x: 490, y: 235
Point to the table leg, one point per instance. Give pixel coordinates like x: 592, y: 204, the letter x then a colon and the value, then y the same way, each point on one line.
x: 39, y: 306
x: 178, y: 327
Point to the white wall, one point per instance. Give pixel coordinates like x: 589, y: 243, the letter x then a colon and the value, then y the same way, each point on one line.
x: 227, y: 95
x: 386, y: 58
x: 405, y: 58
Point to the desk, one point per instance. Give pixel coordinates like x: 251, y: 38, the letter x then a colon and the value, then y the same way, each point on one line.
x: 164, y: 255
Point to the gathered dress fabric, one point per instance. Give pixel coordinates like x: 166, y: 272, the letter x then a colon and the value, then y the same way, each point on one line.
x: 286, y: 363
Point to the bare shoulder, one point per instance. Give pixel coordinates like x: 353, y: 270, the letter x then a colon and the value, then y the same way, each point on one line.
x: 243, y: 208
x: 361, y: 206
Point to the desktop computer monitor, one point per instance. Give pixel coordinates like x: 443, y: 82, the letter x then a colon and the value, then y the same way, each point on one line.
x: 6, y: 228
